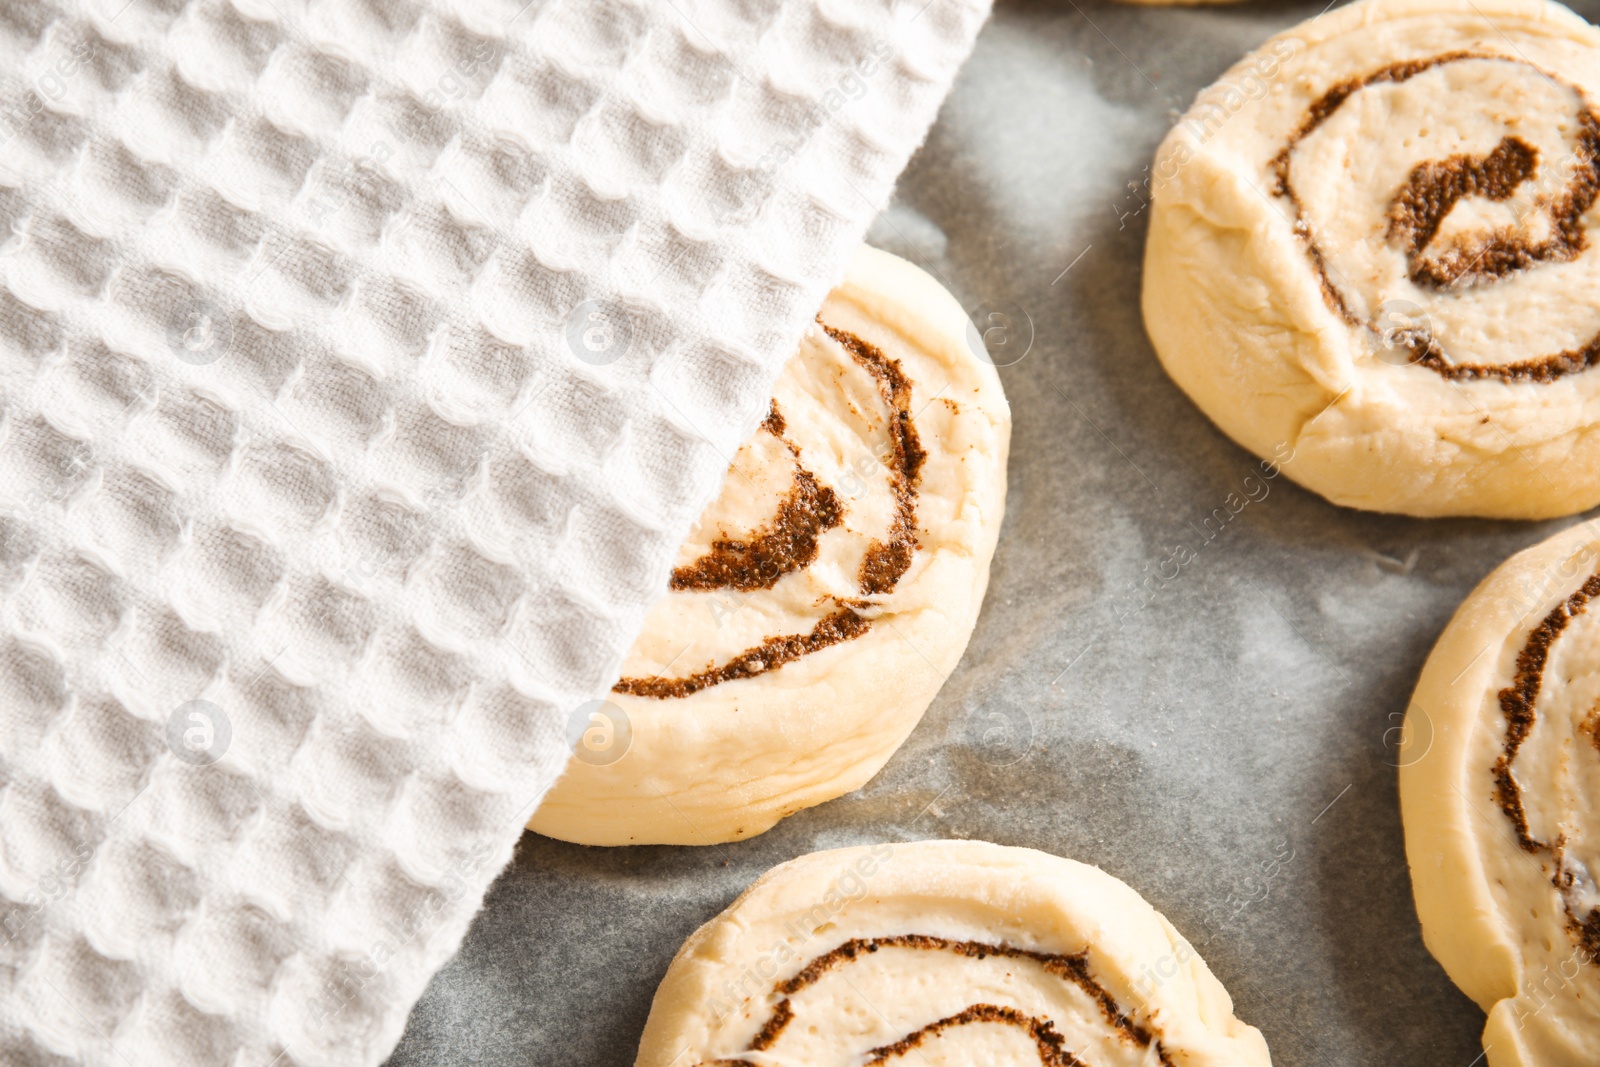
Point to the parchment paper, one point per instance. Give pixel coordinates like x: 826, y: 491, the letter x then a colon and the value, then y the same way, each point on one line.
x: 1221, y: 734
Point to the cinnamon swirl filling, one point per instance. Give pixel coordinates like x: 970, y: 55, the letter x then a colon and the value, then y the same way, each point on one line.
x: 1476, y: 223
x: 789, y: 541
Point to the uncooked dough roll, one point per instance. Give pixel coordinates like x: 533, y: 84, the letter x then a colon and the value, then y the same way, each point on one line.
x: 825, y: 595
x: 1500, y: 792
x: 1370, y: 256
x: 942, y: 952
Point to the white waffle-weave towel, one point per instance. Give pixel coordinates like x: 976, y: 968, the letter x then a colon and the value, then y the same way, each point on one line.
x: 363, y: 363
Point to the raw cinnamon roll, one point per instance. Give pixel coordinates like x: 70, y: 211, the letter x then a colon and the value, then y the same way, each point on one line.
x: 1500, y: 792
x: 1370, y: 256
x: 824, y: 596
x: 942, y: 952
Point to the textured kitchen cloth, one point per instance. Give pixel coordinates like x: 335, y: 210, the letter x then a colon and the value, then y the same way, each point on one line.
x: 363, y: 363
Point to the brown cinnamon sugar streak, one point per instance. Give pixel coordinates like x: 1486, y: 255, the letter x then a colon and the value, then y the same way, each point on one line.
x: 1073, y: 968
x: 1517, y: 702
x: 1435, y: 187
x: 789, y: 541
x: 769, y: 655
x: 887, y: 560
x: 1420, y: 206
x: 774, y: 422
x: 1052, y: 1050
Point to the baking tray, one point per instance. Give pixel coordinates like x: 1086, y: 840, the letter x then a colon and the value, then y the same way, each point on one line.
x: 1219, y: 734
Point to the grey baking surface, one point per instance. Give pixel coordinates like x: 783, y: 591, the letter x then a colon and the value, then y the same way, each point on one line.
x: 1223, y: 750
